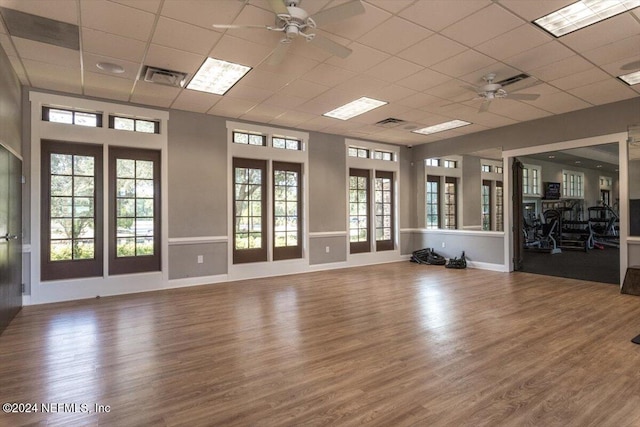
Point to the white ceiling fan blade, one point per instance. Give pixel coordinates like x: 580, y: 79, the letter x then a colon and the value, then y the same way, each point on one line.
x: 278, y: 7
x: 631, y: 66
x: 338, y: 13
x: 484, y: 107
x: 235, y: 27
x: 523, y: 96
x: 278, y: 54
x: 330, y: 46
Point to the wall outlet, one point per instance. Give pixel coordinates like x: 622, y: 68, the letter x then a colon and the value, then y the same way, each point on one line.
x: 200, y: 259
x: 443, y: 245
x: 327, y: 249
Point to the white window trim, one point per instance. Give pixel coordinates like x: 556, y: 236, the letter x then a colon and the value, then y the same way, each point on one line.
x: 64, y: 290
x: 493, y: 177
x: 443, y: 173
x: 270, y: 154
x: 374, y: 165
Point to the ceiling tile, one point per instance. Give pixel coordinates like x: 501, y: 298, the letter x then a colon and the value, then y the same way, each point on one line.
x: 419, y: 100
x: 3, y: 29
x: 562, y: 68
x: 303, y: 89
x: 7, y: 46
x: 394, y: 35
x: 53, y: 77
x: 393, y: 69
x: 604, y: 92
x: 178, y: 35
x: 361, y: 59
x: 559, y: 102
x: 381, y: 113
x: 452, y: 90
x: 534, y: 9
x: 58, y: 10
x: 193, y: 100
x: 356, y: 26
x: 602, y: 33
x: 240, y: 51
x: 540, y: 56
x: 328, y: 75
x: 108, y: 87
x: 147, y: 5
x: 44, y: 52
x: 251, y: 15
x: 293, y: 65
x: 432, y: 50
x: 173, y: 59
x: 393, y: 6
x: 516, y: 41
x: 19, y: 69
x: 248, y: 93
x: 284, y: 101
x: 580, y: 79
x: 231, y: 107
x: 439, y: 14
x: 292, y: 118
x: 615, y: 51
x: 357, y: 87
x: 90, y: 61
x: 517, y: 110
x: 463, y: 63
x: 483, y: 25
x: 263, y: 113
x: 266, y: 80
x: 202, y: 13
x: 501, y: 71
x: 423, y: 80
x: 117, y: 19
x: 311, y: 7
x: 392, y: 93
x: 154, y: 94
x: 615, y: 68
x: 111, y: 45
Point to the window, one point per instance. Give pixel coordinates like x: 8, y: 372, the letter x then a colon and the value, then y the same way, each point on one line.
x: 572, y: 184
x: 287, y: 206
x: 249, y: 138
x: 383, y: 196
x: 134, y: 125
x: 531, y: 180
x: 71, y: 117
x: 249, y: 210
x: 433, y: 201
x: 486, y: 205
x: 134, y: 220
x: 362, y: 153
x: 450, y: 164
x: 498, y: 169
x: 499, y: 206
x: 286, y: 143
x: 359, y: 210
x: 450, y: 203
x: 486, y: 168
x: 71, y: 211
x: 383, y: 155
x: 432, y: 162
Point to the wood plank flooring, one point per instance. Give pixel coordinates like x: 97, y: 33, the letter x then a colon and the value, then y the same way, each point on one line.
x: 390, y: 345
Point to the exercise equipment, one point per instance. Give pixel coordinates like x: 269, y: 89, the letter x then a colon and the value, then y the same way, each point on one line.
x: 605, y: 224
x: 458, y: 263
x: 541, y: 235
x: 427, y: 256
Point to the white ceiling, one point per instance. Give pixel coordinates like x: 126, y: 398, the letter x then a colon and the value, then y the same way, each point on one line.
x: 415, y: 54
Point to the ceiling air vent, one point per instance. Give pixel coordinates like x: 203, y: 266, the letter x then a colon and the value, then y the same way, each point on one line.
x: 389, y: 123
x: 164, y: 77
x: 514, y: 79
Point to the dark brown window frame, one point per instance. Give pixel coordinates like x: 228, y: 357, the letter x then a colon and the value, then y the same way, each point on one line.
x: 57, y: 270
x: 140, y: 263
x: 454, y: 182
x: 288, y: 252
x: 387, y: 245
x: 486, y: 184
x: 436, y: 179
x: 241, y: 256
x: 364, y: 246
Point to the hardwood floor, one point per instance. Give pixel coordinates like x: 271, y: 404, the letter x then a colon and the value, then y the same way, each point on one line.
x: 391, y: 345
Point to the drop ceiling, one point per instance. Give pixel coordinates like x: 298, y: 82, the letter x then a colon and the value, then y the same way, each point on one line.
x: 415, y: 54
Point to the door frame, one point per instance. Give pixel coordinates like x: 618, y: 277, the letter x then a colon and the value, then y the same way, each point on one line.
x: 623, y: 180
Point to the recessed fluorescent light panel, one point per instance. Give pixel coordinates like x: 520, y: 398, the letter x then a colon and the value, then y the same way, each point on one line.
x: 441, y: 127
x: 355, y: 108
x: 217, y: 76
x: 582, y: 14
x: 631, y: 78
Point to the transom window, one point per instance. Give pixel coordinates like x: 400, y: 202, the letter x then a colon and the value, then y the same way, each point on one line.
x: 247, y: 138
x: 486, y: 168
x: 572, y: 184
x: 432, y: 162
x: 531, y: 180
x: 450, y: 164
x: 383, y: 155
x: 362, y: 153
x: 134, y: 125
x: 72, y: 117
x: 286, y: 143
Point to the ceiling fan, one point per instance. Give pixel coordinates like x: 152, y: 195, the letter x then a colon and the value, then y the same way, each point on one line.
x: 293, y: 21
x: 492, y: 90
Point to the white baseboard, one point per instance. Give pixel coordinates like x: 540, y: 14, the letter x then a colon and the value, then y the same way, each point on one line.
x: 186, y: 282
x: 487, y: 266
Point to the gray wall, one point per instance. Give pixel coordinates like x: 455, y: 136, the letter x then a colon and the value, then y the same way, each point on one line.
x: 10, y: 106
x: 471, y: 192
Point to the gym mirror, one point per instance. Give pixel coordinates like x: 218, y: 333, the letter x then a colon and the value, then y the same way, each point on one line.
x: 634, y: 181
